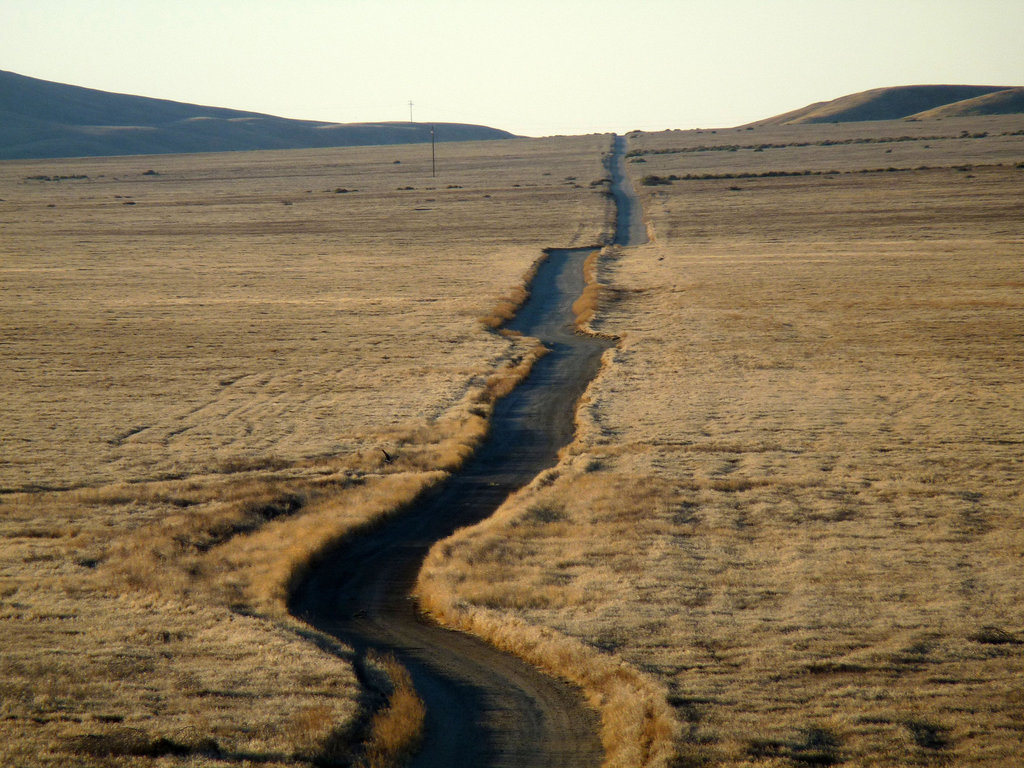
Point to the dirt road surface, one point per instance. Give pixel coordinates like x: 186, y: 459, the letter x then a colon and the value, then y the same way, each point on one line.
x: 485, y: 708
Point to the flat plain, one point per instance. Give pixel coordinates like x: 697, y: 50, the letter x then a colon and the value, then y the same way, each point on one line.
x: 795, y: 498
x: 204, y: 356
x: 793, y: 504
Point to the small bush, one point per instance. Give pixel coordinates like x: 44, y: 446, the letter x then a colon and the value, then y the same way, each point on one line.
x: 928, y: 735
x: 990, y: 635
x: 653, y: 181
x: 542, y: 514
x: 43, y: 177
x: 126, y: 742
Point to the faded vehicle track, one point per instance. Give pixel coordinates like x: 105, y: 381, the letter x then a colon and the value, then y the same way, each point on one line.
x: 484, y: 707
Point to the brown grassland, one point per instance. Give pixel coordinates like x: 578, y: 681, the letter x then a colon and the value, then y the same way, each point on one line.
x: 788, y: 532
x: 794, y: 502
x: 203, y: 356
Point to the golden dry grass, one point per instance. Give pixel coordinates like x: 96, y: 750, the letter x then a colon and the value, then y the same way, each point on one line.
x: 794, y: 502
x: 197, y: 387
x: 265, y: 314
x: 397, y: 729
x: 488, y: 580
x: 586, y: 306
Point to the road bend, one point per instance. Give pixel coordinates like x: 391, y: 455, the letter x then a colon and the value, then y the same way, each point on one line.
x: 485, y: 708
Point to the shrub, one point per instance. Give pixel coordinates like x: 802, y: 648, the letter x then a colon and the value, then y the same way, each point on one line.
x: 995, y: 636
x: 130, y: 742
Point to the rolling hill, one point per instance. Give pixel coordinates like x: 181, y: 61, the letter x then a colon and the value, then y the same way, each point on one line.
x: 902, y: 102
x: 40, y: 119
x: 1009, y: 101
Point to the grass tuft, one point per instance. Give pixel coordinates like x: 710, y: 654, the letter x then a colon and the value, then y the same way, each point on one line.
x: 134, y: 742
x: 397, y: 729
x: 992, y: 635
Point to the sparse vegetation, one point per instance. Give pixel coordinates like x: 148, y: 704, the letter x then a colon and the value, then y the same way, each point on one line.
x: 637, y: 154
x: 47, y: 177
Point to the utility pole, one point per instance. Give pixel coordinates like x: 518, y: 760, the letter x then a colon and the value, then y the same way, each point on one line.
x: 410, y: 110
x: 433, y: 157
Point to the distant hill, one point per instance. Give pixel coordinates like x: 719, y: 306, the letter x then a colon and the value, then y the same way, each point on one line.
x: 1005, y: 102
x: 39, y: 118
x: 894, y: 104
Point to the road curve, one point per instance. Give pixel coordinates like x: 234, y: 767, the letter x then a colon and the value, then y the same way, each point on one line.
x: 484, y: 708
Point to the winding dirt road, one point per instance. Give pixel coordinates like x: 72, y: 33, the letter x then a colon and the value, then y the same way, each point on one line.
x: 485, y: 708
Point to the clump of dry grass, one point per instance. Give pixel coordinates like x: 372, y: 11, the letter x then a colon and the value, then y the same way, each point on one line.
x: 597, y: 294
x: 507, y: 306
x: 504, y: 380
x: 133, y: 742
x: 588, y: 303
x: 261, y: 570
x: 396, y: 730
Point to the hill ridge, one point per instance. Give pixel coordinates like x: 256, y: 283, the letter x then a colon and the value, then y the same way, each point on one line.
x: 1006, y: 101
x: 45, y: 119
x: 890, y: 103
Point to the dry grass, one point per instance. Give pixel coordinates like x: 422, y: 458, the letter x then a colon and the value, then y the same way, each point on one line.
x: 586, y: 306
x: 474, y: 579
x: 794, y: 501
x: 397, y: 729
x: 197, y: 388
x: 265, y: 317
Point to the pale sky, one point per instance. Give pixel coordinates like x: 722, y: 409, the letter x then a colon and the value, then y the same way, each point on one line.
x: 534, y: 67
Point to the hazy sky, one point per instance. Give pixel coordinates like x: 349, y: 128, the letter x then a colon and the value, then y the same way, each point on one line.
x: 534, y: 67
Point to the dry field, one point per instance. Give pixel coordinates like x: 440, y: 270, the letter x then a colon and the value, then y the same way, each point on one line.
x: 202, y: 358
x: 795, y: 499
